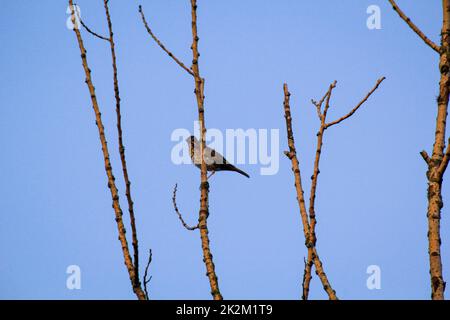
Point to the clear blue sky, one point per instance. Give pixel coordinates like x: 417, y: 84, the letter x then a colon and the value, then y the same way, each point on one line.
x: 371, y: 206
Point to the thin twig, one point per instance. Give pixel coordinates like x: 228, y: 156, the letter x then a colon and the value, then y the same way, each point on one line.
x: 146, y: 281
x: 92, y: 32
x: 108, y: 168
x: 402, y: 15
x: 425, y: 157
x: 150, y: 32
x: 379, y: 81
x: 122, y: 148
x: 174, y: 201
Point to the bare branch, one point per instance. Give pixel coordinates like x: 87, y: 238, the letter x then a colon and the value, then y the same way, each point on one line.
x: 122, y: 148
x: 327, y: 96
x: 146, y: 281
x: 307, y: 275
x: 204, y: 185
x: 174, y: 200
x: 425, y: 157
x: 307, y: 226
x: 108, y: 167
x: 150, y: 32
x: 402, y: 15
x: 92, y: 32
x: 322, y: 276
x: 292, y: 155
x: 348, y: 115
x: 327, y: 103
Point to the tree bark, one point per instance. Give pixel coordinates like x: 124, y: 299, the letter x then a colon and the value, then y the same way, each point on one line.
x: 434, y: 173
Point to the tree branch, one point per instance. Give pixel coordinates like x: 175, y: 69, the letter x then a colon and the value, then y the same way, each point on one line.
x: 408, y: 21
x: 199, y: 83
x: 425, y: 157
x: 379, y: 81
x: 307, y: 275
x: 146, y: 281
x: 307, y: 226
x: 92, y: 32
x: 321, y: 101
x: 322, y: 275
x: 122, y: 148
x: 150, y: 32
x: 292, y: 155
x: 108, y: 167
x: 174, y: 201
x: 204, y: 185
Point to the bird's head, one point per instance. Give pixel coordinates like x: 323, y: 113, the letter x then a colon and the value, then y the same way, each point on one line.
x: 192, y: 142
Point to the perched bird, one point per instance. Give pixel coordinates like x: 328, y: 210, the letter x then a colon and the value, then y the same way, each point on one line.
x: 214, y: 160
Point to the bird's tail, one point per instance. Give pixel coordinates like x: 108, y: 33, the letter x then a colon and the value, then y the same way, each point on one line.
x: 233, y: 168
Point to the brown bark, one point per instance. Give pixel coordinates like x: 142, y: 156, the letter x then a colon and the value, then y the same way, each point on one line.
x: 292, y: 155
x: 438, y: 161
x: 108, y: 168
x: 402, y: 15
x: 204, y: 186
x: 122, y: 149
x: 309, y: 221
x: 199, y: 82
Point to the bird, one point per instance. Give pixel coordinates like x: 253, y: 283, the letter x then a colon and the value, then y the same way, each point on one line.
x: 213, y: 159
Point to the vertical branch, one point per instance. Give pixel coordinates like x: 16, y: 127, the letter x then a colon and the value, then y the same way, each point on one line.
x: 316, y: 171
x: 313, y: 257
x: 434, y: 174
x: 438, y: 161
x: 146, y: 277
x: 204, y: 186
x: 292, y: 155
x: 307, y: 276
x: 108, y: 168
x: 194, y: 71
x: 122, y: 149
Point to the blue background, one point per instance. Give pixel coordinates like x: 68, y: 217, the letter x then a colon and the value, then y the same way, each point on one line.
x: 371, y: 205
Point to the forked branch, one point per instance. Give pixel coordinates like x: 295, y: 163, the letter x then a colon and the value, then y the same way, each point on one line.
x: 312, y: 253
x: 309, y: 219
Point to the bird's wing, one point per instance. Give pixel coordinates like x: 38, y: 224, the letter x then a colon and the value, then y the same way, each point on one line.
x: 213, y: 157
